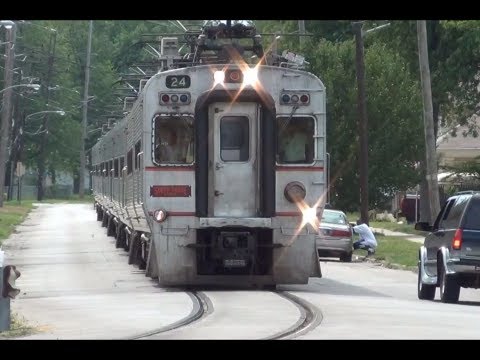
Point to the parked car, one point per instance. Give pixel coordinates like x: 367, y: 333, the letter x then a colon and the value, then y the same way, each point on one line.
x: 450, y: 256
x: 335, y: 237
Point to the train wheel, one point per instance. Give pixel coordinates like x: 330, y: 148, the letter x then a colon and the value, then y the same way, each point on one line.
x: 120, y: 236
x: 105, y: 219
x: 142, y: 259
x: 134, y: 249
x: 99, y: 214
x: 110, y: 226
x: 126, y: 240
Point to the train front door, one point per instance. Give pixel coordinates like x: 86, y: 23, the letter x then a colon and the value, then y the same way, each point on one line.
x: 233, y: 187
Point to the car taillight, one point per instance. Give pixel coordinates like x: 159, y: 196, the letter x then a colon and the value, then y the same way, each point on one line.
x: 457, y: 240
x: 341, y: 233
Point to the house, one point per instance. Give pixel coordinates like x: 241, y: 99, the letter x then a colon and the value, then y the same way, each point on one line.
x: 452, y: 150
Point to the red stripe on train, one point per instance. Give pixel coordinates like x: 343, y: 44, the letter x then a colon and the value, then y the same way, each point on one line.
x: 192, y: 168
x: 299, y: 168
x: 288, y: 213
x: 169, y: 168
x: 176, y: 213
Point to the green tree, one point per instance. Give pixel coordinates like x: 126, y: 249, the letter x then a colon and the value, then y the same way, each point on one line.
x: 393, y: 105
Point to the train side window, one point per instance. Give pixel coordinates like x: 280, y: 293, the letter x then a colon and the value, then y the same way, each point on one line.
x: 173, y: 141
x: 122, y: 165
x: 234, y: 138
x: 295, y: 142
x: 115, y: 168
x: 104, y: 170
x: 138, y: 147
x: 110, y: 168
x: 129, y: 161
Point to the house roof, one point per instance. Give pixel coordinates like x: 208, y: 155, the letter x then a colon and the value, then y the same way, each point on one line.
x: 459, y: 142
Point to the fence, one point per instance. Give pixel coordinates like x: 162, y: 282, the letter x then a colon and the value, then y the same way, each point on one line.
x: 29, y: 192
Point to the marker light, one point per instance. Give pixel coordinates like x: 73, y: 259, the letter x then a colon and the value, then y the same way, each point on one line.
x: 286, y: 98
x: 295, y: 192
x: 160, y: 215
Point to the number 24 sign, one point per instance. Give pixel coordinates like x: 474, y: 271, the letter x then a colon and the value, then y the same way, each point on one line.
x: 177, y: 81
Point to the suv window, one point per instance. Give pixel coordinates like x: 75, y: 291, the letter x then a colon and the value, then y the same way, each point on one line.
x: 453, y: 219
x: 442, y: 215
x: 472, y: 216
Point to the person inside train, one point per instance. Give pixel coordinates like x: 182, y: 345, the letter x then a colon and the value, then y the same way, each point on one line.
x: 166, y: 149
x: 294, y: 144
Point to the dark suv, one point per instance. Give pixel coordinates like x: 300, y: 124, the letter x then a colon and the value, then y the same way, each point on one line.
x: 450, y: 255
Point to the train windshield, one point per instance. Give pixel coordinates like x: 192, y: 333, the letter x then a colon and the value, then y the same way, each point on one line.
x: 173, y: 140
x: 295, y: 140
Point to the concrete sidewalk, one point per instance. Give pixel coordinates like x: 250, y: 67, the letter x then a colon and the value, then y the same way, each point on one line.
x: 414, y: 238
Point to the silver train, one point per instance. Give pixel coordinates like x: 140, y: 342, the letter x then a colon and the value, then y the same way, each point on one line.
x: 216, y: 175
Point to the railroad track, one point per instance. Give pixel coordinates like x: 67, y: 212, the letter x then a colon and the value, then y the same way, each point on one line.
x: 310, y: 317
x: 202, y: 307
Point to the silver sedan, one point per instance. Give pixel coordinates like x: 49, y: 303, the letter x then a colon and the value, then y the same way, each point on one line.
x: 335, y: 237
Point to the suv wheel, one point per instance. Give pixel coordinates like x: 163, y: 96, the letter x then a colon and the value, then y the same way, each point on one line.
x: 449, y: 289
x: 425, y: 292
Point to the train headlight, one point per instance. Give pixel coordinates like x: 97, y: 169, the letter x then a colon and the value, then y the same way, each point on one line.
x: 295, y: 192
x: 250, y: 76
x: 310, y: 216
x: 160, y: 215
x: 219, y: 77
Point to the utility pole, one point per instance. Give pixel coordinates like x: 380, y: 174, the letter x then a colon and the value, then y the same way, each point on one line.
x: 7, y: 102
x: 14, y: 145
x: 84, y: 120
x: 362, y: 120
x: 43, y: 141
x: 301, y: 31
x: 430, y: 143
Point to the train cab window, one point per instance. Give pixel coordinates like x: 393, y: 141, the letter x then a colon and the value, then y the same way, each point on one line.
x: 295, y: 140
x: 129, y: 161
x: 138, y: 147
x: 234, y: 138
x: 173, y: 140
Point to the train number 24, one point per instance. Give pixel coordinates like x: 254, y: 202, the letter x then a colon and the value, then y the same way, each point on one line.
x: 177, y: 81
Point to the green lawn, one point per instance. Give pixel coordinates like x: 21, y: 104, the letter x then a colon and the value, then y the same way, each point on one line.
x: 392, y: 226
x: 395, y: 250
x: 12, y: 214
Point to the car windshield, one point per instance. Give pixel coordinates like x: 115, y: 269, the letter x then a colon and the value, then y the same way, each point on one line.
x: 333, y: 217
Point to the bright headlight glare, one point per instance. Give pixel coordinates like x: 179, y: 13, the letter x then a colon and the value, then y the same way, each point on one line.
x: 219, y: 77
x: 250, y: 76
